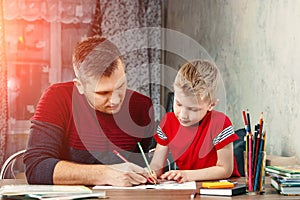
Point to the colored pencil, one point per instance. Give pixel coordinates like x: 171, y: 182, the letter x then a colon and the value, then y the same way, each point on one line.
x: 250, y: 163
x: 257, y: 142
x: 250, y: 182
x: 259, y: 164
x: 262, y: 179
x: 147, y: 164
x: 144, y: 157
x: 246, y: 148
x: 120, y: 156
x: 245, y: 119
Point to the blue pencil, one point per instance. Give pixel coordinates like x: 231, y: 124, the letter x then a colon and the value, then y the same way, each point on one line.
x: 255, y: 143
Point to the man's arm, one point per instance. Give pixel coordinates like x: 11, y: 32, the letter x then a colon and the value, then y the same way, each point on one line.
x: 125, y: 174
x: 42, y: 152
x: 44, y: 164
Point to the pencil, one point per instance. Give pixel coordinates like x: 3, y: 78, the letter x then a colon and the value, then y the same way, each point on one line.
x: 124, y: 159
x: 250, y: 187
x: 146, y: 161
x: 248, y: 120
x: 262, y: 179
x: 259, y: 164
x: 245, y: 120
x: 246, y: 161
x: 120, y: 156
x: 257, y: 143
x: 265, y: 140
x: 256, y: 151
x: 250, y: 163
x: 144, y: 157
x: 261, y: 122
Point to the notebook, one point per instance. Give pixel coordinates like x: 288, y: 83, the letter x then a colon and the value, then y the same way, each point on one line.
x: 236, y: 190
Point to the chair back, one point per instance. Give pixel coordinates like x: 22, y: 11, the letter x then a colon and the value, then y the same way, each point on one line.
x: 8, y: 167
x: 239, y: 147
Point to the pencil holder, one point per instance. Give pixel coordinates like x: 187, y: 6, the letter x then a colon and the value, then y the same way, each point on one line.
x: 254, y: 166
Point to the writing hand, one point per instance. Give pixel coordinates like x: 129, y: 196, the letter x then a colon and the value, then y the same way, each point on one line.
x: 126, y: 174
x: 152, y: 178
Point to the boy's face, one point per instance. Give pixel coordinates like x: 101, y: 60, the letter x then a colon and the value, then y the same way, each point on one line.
x: 189, y: 109
x: 107, y: 93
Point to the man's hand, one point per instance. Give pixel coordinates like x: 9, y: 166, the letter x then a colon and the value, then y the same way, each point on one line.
x: 125, y: 174
x: 152, y: 178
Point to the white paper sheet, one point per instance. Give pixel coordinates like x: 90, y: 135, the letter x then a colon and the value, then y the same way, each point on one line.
x: 169, y: 185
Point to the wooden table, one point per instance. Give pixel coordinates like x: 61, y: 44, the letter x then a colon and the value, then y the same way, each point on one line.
x: 151, y: 194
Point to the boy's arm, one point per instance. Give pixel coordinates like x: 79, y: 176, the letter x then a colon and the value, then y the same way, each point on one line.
x: 158, y: 161
x: 222, y: 170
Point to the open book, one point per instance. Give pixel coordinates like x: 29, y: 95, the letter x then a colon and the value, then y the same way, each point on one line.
x: 49, y: 191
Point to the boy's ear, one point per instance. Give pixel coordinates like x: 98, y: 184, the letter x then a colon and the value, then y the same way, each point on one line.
x: 213, y: 104
x: 78, y: 85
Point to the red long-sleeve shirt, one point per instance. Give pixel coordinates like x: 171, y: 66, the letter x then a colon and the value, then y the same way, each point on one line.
x: 66, y: 127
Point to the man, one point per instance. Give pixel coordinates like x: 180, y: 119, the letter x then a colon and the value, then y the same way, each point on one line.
x: 77, y: 125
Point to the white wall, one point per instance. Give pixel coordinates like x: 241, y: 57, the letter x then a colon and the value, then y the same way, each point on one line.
x: 256, y: 45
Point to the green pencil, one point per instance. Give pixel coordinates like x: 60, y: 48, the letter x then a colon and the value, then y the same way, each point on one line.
x: 145, y: 159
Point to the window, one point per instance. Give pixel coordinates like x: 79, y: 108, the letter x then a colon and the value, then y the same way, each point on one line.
x: 28, y: 61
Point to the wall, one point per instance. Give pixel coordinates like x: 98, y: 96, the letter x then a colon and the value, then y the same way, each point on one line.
x: 256, y: 45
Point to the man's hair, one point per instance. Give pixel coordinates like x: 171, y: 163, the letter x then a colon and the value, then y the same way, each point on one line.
x: 199, y: 77
x: 94, y: 57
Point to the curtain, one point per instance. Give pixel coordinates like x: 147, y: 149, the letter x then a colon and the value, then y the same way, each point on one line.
x: 3, y: 90
x: 64, y: 11
x: 134, y: 26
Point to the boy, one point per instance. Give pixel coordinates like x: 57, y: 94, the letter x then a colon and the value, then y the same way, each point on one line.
x: 199, y: 138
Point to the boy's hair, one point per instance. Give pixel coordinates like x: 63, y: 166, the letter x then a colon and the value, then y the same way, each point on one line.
x: 199, y: 77
x: 94, y: 57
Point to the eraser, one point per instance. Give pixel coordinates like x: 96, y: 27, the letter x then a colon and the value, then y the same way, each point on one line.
x: 222, y: 184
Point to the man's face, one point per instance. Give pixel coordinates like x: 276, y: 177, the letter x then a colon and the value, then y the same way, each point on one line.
x: 107, y: 93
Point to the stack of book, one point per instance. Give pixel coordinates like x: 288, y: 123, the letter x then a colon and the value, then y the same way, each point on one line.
x: 285, y: 179
x: 222, y: 188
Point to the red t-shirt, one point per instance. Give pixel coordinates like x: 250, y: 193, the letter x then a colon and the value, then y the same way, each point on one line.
x: 195, y: 147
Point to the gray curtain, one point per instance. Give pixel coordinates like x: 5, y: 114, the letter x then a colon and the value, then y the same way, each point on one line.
x: 134, y: 26
x: 3, y: 90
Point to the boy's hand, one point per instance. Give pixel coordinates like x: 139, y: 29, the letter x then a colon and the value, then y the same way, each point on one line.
x: 177, y: 175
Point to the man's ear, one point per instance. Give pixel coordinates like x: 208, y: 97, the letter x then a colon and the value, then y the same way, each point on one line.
x: 213, y: 104
x: 78, y: 85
